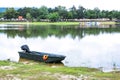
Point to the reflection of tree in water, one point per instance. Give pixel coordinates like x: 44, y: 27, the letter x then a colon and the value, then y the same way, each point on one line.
x: 58, y: 31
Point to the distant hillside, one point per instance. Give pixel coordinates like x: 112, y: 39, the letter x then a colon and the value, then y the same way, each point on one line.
x: 3, y: 9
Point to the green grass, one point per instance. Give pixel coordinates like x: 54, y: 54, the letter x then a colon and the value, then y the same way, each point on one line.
x: 43, y: 23
x: 43, y: 71
x: 54, y: 23
x: 109, y: 22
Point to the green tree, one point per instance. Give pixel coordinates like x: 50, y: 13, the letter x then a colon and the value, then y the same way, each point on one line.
x: 80, y: 12
x: 50, y: 10
x: 10, y: 13
x: 90, y: 14
x: 97, y: 12
x: 43, y: 12
x: 24, y: 11
x: 110, y: 15
x: 73, y: 10
x: 59, y: 13
x: 28, y: 17
x: 117, y: 14
x: 62, y: 11
x: 103, y: 14
x: 34, y: 12
x: 54, y: 16
x: 70, y: 15
x: 1, y: 15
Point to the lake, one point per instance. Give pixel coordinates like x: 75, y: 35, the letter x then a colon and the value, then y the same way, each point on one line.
x: 94, y: 47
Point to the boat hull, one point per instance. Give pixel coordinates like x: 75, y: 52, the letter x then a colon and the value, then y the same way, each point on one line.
x: 42, y: 57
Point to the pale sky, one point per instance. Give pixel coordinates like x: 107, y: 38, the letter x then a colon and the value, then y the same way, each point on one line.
x: 88, y: 4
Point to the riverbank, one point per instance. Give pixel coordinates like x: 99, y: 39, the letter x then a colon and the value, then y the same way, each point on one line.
x: 42, y: 23
x: 29, y: 70
x: 56, y: 23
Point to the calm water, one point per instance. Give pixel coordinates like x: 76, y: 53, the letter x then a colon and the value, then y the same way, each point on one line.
x: 84, y: 47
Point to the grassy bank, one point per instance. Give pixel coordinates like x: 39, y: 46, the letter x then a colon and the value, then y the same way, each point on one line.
x: 54, y: 23
x: 31, y: 70
x: 43, y: 23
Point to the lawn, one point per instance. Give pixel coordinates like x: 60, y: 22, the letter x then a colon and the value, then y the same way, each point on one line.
x: 30, y: 70
x: 43, y: 23
x: 55, y: 23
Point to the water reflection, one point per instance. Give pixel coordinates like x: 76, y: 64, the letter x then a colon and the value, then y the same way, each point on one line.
x: 95, y: 51
x: 58, y: 31
x: 8, y: 49
x: 86, y: 47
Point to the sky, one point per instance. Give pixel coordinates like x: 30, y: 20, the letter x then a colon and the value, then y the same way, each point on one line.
x: 88, y: 4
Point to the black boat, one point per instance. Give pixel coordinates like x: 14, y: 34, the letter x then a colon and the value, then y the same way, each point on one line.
x: 40, y: 56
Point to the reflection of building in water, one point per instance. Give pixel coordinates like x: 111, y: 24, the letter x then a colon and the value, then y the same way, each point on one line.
x: 95, y: 24
x: 89, y: 24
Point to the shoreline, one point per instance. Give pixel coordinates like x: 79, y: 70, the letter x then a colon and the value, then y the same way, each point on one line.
x: 60, y: 23
x: 41, y: 71
x: 42, y: 23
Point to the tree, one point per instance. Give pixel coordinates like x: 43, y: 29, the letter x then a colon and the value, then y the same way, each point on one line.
x: 1, y: 15
x: 34, y: 12
x: 73, y: 10
x: 43, y: 12
x: 90, y: 14
x: 50, y: 10
x: 80, y: 12
x: 62, y: 11
x: 70, y: 15
x: 117, y: 14
x: 103, y: 14
x: 10, y: 13
x: 53, y: 16
x: 97, y: 12
x: 59, y: 13
x: 28, y: 17
x: 24, y: 11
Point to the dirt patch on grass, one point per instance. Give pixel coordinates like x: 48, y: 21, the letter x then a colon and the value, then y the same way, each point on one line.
x: 59, y: 76
x: 7, y: 67
x: 72, y: 77
x: 9, y: 77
